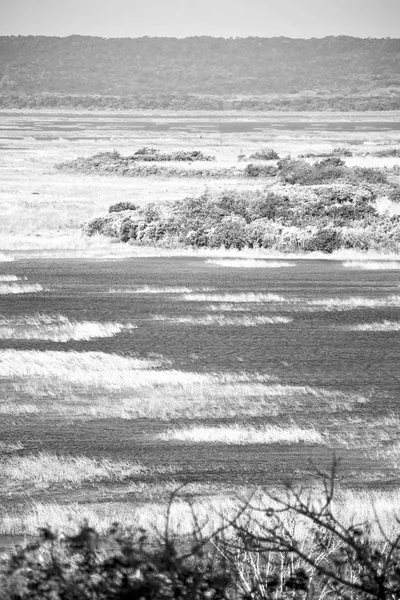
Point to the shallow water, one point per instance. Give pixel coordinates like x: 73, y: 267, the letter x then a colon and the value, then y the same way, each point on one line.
x: 73, y: 123
x: 316, y: 343
x: 313, y: 348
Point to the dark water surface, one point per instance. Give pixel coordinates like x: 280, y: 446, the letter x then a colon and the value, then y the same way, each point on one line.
x: 314, y: 349
x: 80, y: 122
x: 309, y: 350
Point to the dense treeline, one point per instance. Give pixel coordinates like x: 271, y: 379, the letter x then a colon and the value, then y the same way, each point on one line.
x: 380, y: 100
x: 341, y: 73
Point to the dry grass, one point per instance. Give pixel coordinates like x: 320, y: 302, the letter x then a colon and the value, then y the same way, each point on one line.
x: 237, y: 434
x: 222, y: 321
x: 10, y: 447
x: 20, y: 288
x: 8, y: 407
x: 296, y: 303
x: 6, y: 257
x: 79, y: 368
x: 57, y: 329
x: 382, y: 326
x: 250, y: 264
x: 172, y: 394
x: 149, y: 289
x: 250, y: 297
x: 210, y: 512
x: 8, y: 278
x: 390, y: 453
x: 46, y: 468
x: 373, y: 265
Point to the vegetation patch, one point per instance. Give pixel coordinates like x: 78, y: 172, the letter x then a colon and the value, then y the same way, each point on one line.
x: 223, y: 321
x: 57, y: 329
x: 45, y: 468
x: 20, y: 288
x: 237, y: 434
x: 286, y: 218
x: 242, y: 263
x: 373, y: 265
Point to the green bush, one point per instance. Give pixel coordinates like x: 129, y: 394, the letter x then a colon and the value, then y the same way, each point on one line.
x: 121, y: 206
x: 229, y: 233
x: 287, y: 218
x: 323, y: 240
x: 253, y: 171
x: 265, y: 154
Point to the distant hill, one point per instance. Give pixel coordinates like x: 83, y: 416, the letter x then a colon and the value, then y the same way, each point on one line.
x: 214, y: 72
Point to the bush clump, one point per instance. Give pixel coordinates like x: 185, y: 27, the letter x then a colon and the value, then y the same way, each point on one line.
x: 264, y: 154
x: 153, y: 155
x: 256, y: 170
x: 121, y: 206
x: 295, y: 218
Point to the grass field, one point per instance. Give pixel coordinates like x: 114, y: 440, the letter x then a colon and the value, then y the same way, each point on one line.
x: 42, y: 208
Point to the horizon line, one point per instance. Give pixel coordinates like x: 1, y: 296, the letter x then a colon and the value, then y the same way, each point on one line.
x: 170, y: 37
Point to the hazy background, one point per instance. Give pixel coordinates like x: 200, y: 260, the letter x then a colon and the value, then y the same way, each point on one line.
x: 181, y: 18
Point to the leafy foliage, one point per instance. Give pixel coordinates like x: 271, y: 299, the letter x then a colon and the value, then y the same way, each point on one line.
x: 291, y: 218
x: 121, y: 206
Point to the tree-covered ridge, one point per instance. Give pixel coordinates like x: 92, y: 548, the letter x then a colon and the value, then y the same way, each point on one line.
x: 197, y: 65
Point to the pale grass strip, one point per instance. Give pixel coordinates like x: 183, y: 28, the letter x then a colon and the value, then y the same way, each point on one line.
x: 328, y: 304
x: 8, y: 407
x: 7, y: 278
x: 372, y: 265
x: 349, y: 506
x: 382, y: 326
x: 239, y: 297
x: 10, y: 447
x: 20, y: 288
x: 148, y: 289
x: 45, y: 468
x: 237, y: 434
x: 58, y: 329
x: 222, y: 321
x: 250, y: 264
x: 192, y: 399
x: 6, y: 257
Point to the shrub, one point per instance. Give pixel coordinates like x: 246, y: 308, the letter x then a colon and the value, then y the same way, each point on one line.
x: 107, y: 225
x: 73, y: 568
x: 152, y: 154
x: 253, y: 170
x: 323, y: 240
x: 230, y: 233
x: 121, y: 206
x: 387, y: 152
x: 368, y: 175
x: 394, y: 194
x: 265, y: 154
x: 129, y: 228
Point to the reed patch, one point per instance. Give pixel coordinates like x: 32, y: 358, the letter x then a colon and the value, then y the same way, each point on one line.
x: 373, y: 265
x: 58, y: 329
x: 224, y: 321
x: 20, y: 288
x: 47, y: 468
x: 249, y: 263
x: 237, y: 434
x: 378, y: 326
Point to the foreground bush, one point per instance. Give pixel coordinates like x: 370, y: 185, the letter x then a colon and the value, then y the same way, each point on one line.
x: 293, y: 547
